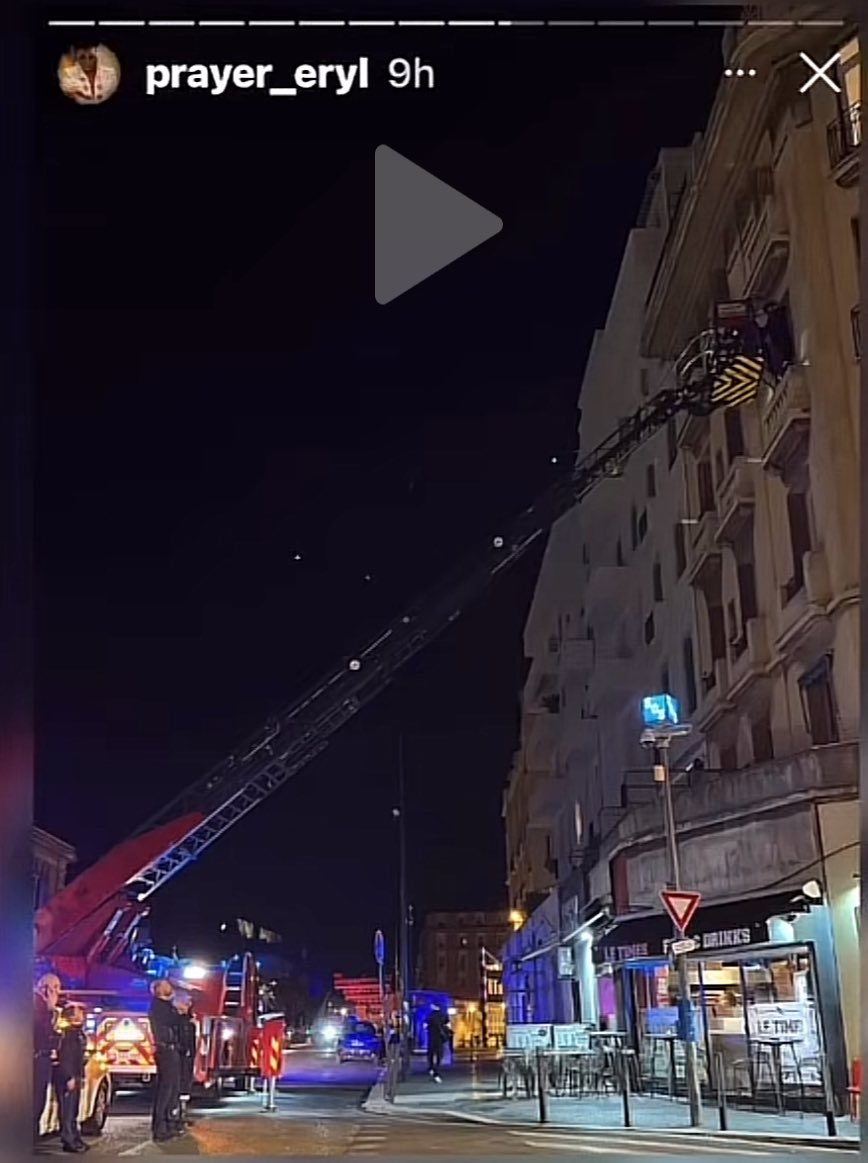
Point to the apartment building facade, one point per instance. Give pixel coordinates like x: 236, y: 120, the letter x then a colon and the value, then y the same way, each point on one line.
x: 611, y: 619
x: 752, y: 540
x: 52, y: 858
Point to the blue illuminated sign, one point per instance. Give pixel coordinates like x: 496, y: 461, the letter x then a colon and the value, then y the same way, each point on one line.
x: 660, y: 711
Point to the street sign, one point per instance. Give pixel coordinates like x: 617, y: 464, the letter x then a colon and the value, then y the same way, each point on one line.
x: 681, y: 906
x: 379, y: 947
x: 685, y: 946
x: 660, y: 711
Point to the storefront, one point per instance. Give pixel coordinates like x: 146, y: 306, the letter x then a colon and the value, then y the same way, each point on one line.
x: 765, y: 993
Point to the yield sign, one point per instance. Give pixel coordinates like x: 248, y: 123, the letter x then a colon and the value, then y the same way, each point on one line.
x: 681, y: 906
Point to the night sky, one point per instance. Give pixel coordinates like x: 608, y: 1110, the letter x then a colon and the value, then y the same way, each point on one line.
x: 218, y: 392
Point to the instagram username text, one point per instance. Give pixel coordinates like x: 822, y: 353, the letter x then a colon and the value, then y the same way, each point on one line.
x: 337, y: 79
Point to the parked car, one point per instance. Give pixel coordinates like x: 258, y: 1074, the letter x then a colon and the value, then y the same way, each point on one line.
x: 361, y: 1042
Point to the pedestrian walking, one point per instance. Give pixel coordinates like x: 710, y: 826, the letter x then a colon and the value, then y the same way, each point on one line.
x: 187, y: 1054
x: 438, y: 1036
x: 45, y: 999
x: 167, y: 1086
x: 69, y: 1077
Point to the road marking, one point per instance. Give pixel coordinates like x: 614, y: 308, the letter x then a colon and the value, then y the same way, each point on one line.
x: 140, y: 1149
x: 631, y: 1146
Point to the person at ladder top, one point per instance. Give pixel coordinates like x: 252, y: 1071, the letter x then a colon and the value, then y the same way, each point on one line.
x: 187, y: 1052
x: 438, y: 1036
x: 167, y: 1090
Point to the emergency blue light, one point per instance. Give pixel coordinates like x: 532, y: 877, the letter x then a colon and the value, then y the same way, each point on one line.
x: 660, y: 711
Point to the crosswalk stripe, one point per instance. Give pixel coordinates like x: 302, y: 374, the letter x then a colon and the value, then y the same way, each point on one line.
x: 567, y: 1141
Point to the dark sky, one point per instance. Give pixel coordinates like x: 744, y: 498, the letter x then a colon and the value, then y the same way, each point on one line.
x: 218, y: 391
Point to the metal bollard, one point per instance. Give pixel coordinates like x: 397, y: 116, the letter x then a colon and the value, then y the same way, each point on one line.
x: 269, y: 1092
x: 720, y: 1079
x: 828, y: 1099
x: 625, y: 1089
x: 542, y: 1087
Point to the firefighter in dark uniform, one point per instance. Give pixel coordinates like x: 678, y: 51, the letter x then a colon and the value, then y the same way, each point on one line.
x: 69, y: 1077
x: 167, y: 1088
x: 187, y: 1053
x: 45, y: 999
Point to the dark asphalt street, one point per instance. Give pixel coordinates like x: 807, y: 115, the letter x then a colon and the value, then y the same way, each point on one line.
x: 319, y: 1114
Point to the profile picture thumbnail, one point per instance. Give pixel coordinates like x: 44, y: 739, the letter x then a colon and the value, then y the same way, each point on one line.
x: 90, y: 75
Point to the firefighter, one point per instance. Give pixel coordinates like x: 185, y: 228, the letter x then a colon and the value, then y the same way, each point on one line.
x: 187, y: 1053
x: 69, y: 1077
x: 45, y: 999
x: 167, y: 1088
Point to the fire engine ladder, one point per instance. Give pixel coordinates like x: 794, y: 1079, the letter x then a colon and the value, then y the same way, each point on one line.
x: 721, y: 368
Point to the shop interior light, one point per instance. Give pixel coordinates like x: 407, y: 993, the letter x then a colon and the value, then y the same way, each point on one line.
x: 813, y: 890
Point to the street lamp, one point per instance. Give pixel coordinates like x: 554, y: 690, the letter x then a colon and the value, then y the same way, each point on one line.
x: 404, y: 974
x: 660, y: 714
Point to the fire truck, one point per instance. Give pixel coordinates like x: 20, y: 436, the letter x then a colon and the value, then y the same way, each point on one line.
x: 91, y: 932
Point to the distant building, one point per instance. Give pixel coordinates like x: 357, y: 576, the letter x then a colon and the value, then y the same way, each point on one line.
x: 458, y: 953
x: 51, y: 860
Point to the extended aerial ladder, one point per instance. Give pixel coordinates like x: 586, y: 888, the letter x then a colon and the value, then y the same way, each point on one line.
x: 89, y: 930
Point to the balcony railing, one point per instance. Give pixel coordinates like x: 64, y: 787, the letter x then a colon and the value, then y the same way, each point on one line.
x: 843, y: 138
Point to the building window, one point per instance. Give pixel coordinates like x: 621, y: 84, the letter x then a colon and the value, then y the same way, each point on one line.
x: 689, y: 675
x: 734, y: 433
x: 634, y: 527
x: 619, y: 553
x: 586, y: 554
x: 643, y: 524
x: 671, y: 442
x: 761, y: 741
x: 657, y: 581
x: 705, y: 487
x: 651, y: 481
x: 680, y: 550
x: 800, y: 541
x: 778, y: 343
x: 818, y: 703
x: 719, y: 469
x: 649, y: 629
x: 716, y: 632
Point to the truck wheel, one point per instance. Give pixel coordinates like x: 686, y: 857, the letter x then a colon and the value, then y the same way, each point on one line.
x: 95, y: 1124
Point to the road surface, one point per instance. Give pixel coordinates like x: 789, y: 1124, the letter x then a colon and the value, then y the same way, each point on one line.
x: 319, y: 1114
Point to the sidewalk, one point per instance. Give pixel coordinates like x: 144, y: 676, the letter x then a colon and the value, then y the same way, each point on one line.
x: 472, y: 1093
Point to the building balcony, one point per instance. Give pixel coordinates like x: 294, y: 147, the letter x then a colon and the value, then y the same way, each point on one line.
x: 816, y: 773
x: 705, y: 555
x: 785, y: 419
x: 578, y: 737
x: 735, y: 501
x: 613, y: 681
x: 712, y: 695
x: 576, y: 658
x: 607, y: 593
x: 749, y: 656
x: 762, y: 254
x: 803, y: 607
x: 546, y: 801
x: 693, y: 432
x: 542, y: 731
x: 843, y: 139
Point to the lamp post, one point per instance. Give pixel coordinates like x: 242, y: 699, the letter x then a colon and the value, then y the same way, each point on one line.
x: 404, y: 969
x: 661, y: 718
